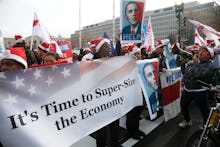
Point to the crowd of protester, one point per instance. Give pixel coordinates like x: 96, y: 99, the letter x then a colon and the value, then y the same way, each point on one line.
x: 195, y: 65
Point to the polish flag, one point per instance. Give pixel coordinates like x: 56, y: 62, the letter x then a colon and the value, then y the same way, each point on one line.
x: 40, y: 30
x: 198, y: 39
x: 149, y: 40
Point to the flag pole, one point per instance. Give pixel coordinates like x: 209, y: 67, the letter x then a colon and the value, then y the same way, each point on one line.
x: 80, y: 45
x: 32, y: 37
x: 113, y: 23
x: 32, y: 40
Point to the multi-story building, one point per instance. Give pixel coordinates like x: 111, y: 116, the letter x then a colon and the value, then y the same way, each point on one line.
x: 9, y: 42
x: 163, y: 20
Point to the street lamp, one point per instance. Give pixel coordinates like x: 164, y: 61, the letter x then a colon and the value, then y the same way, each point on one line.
x: 179, y: 11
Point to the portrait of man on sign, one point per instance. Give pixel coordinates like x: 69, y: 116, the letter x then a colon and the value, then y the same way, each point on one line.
x: 131, y: 20
x: 150, y: 75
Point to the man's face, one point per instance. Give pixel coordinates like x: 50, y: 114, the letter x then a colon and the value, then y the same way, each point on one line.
x: 105, y: 50
x: 124, y: 49
x: 93, y: 50
x: 203, y: 54
x: 10, y: 65
x: 132, y: 13
x: 160, y: 50
x: 138, y: 55
x: 41, y: 53
x: 149, y: 75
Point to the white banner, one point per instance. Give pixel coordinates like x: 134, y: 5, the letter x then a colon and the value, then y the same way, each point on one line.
x: 171, y: 92
x: 57, y: 106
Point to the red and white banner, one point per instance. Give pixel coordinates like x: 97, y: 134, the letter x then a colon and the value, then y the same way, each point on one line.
x: 66, y: 48
x: 56, y: 106
x: 171, y: 92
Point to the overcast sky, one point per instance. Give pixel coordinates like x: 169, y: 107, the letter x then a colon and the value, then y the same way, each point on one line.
x: 61, y: 17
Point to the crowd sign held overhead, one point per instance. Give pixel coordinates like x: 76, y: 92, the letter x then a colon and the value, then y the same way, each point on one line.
x: 131, y: 20
x: 57, y: 102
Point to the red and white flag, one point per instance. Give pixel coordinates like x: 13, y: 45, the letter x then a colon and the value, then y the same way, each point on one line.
x: 40, y: 30
x: 207, y: 30
x: 171, y: 92
x: 149, y: 40
x: 198, y: 39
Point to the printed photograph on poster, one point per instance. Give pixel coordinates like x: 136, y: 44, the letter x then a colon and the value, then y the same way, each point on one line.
x: 149, y: 78
x: 132, y: 12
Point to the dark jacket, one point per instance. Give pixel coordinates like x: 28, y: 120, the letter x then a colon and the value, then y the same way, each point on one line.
x: 203, y: 71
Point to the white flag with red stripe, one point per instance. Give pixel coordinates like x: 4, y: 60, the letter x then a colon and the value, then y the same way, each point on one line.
x: 149, y: 40
x: 198, y: 39
x: 40, y: 30
x: 171, y: 92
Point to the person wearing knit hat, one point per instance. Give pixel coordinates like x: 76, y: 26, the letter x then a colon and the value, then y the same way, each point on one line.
x: 134, y: 50
x: 159, y: 44
x: 144, y: 52
x: 195, y: 49
x: 132, y: 117
x: 32, y: 57
x: 107, y: 135
x: 193, y: 90
x: 102, y: 47
x: 18, y: 39
x: 122, y: 48
x: 158, y: 53
x: 158, y: 50
x: 13, y: 59
x: 90, y: 55
x: 210, y: 51
x: 87, y: 55
x: 43, y: 48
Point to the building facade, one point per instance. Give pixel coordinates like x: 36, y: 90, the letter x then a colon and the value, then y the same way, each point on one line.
x: 164, y: 22
x: 9, y: 42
